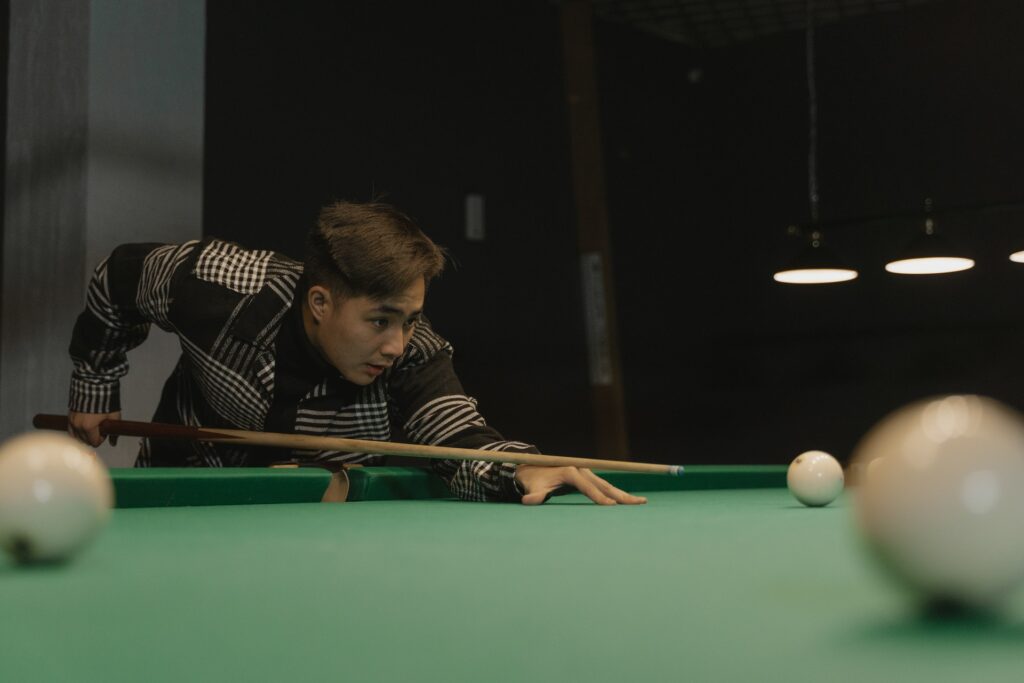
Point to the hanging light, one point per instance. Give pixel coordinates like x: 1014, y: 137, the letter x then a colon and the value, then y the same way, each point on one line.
x: 929, y: 253
x: 1017, y: 256
x: 814, y: 264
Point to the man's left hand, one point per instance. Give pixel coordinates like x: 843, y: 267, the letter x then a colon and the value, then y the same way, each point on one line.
x: 541, y: 482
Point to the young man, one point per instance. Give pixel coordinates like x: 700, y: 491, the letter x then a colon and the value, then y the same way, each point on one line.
x: 335, y: 346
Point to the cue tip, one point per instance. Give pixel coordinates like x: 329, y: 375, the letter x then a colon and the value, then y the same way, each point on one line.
x: 676, y: 470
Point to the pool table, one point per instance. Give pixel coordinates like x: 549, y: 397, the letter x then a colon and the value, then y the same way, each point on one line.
x: 245, y: 575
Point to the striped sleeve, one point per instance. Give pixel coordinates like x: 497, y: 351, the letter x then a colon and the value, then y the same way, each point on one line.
x: 127, y: 292
x: 433, y: 409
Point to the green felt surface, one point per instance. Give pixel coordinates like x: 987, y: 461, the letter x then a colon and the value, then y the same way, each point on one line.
x: 713, y: 585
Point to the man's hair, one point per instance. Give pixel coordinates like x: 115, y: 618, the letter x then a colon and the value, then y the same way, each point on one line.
x: 371, y: 250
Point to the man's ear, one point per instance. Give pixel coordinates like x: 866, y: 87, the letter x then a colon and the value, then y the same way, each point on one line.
x: 318, y: 298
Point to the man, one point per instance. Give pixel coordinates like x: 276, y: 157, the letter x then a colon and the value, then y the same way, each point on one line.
x: 335, y: 346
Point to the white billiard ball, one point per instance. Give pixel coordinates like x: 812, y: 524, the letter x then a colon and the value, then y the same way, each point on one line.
x: 940, y: 498
x: 815, y: 478
x: 55, y: 496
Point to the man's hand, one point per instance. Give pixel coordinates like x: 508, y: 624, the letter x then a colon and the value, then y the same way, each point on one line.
x: 86, y: 427
x: 540, y: 482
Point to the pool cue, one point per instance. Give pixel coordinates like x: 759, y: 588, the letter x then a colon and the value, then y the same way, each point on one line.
x: 306, y: 442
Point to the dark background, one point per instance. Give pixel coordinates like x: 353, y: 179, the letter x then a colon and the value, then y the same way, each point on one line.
x: 706, y: 164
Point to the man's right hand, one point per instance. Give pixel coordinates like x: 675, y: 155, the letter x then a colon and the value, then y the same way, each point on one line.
x: 86, y: 427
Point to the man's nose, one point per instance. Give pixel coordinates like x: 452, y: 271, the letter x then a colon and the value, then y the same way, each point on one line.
x: 394, y: 344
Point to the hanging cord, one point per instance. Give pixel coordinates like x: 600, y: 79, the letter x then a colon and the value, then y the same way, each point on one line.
x: 812, y: 116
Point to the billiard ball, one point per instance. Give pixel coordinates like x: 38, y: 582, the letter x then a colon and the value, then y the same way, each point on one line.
x: 940, y: 499
x: 55, y: 496
x: 815, y: 478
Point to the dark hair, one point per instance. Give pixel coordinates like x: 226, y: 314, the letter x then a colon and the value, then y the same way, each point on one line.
x: 370, y: 250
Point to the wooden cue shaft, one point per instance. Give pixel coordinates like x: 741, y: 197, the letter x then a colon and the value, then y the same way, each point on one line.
x: 306, y: 442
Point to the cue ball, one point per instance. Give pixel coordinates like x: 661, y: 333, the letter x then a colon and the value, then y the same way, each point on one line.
x: 940, y: 498
x: 55, y: 496
x: 815, y: 478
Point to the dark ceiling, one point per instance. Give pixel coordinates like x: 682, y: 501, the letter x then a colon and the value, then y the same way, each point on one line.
x: 720, y: 23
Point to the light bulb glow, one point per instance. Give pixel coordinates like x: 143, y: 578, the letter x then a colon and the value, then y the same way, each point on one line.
x: 933, y: 265
x: 1017, y: 256
x: 814, y: 276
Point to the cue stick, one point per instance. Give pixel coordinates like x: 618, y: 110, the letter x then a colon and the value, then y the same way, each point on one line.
x: 306, y: 442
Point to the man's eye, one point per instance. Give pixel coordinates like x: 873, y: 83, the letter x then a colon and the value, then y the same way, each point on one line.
x: 412, y: 322
x: 379, y: 322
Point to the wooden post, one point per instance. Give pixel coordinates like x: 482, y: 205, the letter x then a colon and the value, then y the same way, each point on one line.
x: 592, y: 229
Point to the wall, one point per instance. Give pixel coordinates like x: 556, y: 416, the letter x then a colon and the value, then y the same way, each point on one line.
x: 704, y: 178
x: 104, y: 145
x: 307, y: 103
x: 145, y: 184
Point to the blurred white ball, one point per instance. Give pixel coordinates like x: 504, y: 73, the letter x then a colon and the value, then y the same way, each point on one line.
x: 55, y: 496
x: 940, y: 498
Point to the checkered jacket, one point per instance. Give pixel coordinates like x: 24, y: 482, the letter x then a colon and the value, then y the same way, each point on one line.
x: 226, y: 305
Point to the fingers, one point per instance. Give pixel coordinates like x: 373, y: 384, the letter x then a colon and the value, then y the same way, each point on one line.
x: 588, y: 486
x: 86, y: 427
x: 91, y: 435
x: 616, y: 494
x: 541, y: 483
x: 86, y: 435
x: 78, y: 428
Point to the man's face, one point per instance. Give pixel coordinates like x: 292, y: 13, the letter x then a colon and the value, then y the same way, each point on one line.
x: 359, y: 336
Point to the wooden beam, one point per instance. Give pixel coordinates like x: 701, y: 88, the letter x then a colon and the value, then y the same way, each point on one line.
x: 592, y: 229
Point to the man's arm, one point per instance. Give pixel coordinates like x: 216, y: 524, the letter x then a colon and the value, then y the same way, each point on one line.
x: 440, y: 413
x: 128, y: 291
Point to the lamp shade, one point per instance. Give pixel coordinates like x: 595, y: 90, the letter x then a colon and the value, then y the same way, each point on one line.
x: 1017, y: 256
x: 929, y: 254
x: 815, y: 264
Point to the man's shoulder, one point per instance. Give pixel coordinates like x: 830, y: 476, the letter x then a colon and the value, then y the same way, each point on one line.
x: 424, y: 345
x: 242, y: 270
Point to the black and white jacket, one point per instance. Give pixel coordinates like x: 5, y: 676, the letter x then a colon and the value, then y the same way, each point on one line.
x: 227, y: 306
